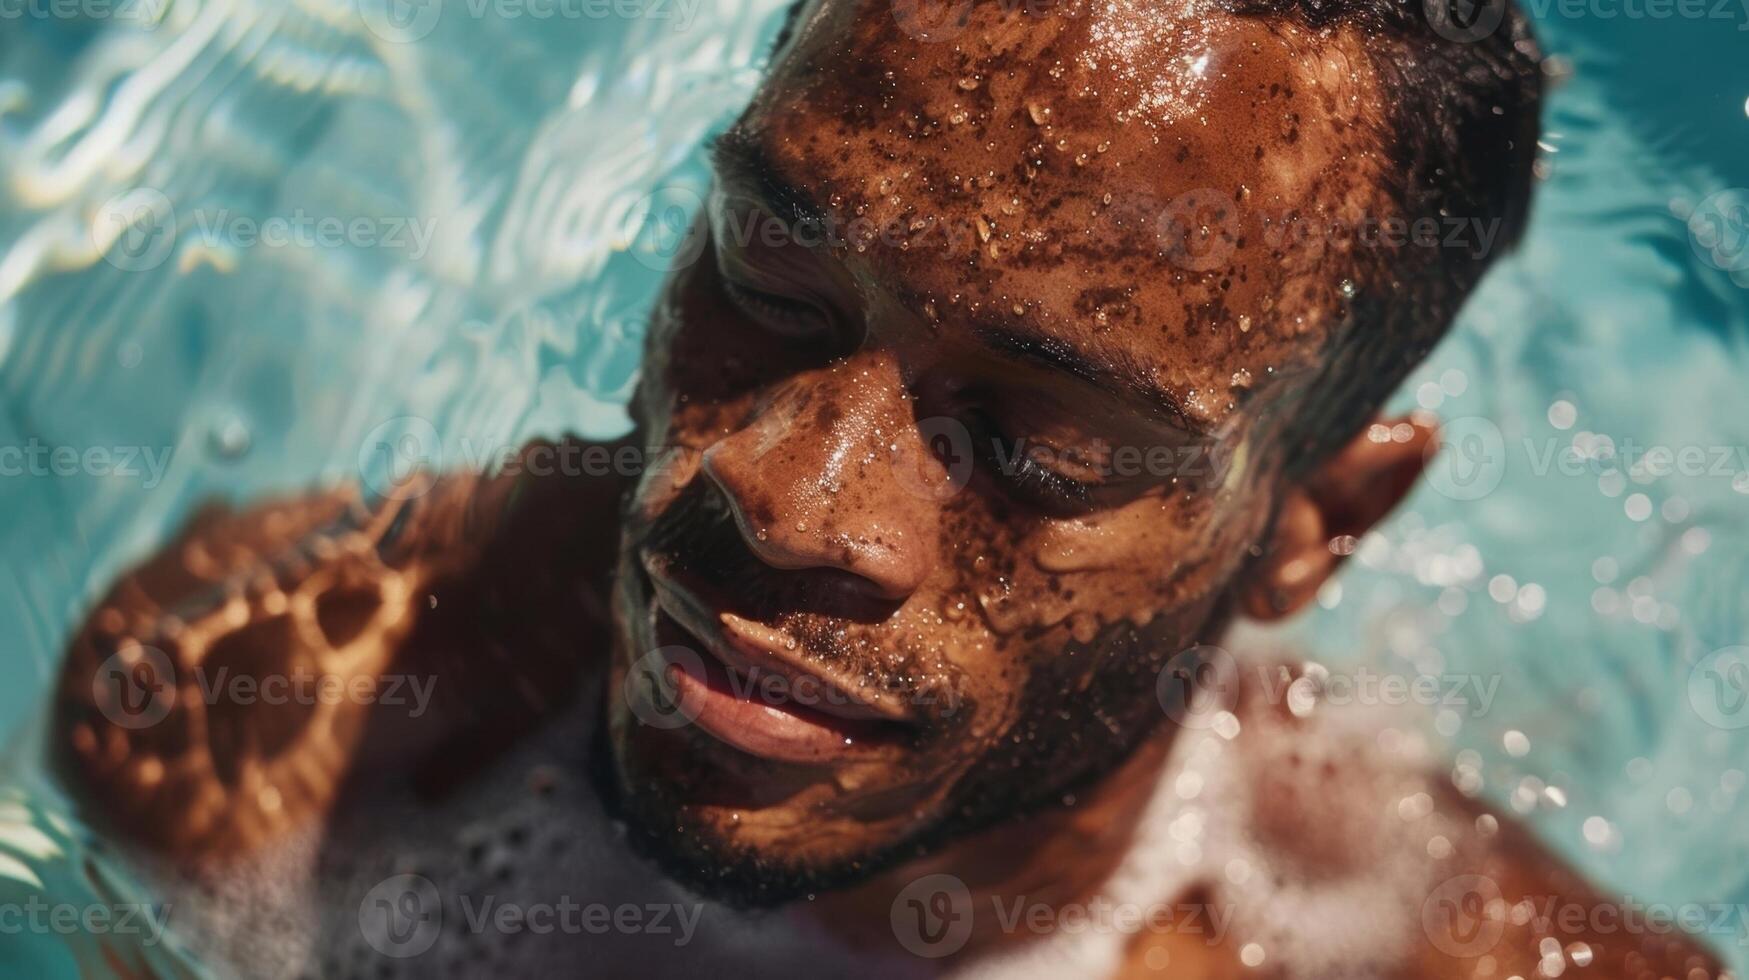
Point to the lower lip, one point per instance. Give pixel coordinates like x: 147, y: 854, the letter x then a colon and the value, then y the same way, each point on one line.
x: 730, y: 710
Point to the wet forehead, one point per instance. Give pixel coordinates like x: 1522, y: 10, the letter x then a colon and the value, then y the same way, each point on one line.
x: 1138, y: 177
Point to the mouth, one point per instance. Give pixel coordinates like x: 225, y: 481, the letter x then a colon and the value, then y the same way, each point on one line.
x: 751, y: 688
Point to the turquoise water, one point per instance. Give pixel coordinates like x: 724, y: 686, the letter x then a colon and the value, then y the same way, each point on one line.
x: 512, y: 158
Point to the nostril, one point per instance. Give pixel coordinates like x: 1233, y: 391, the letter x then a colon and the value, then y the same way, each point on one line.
x: 888, y: 576
x: 791, y: 531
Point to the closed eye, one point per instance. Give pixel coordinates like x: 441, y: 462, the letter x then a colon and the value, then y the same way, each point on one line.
x: 783, y: 314
x: 1011, y: 462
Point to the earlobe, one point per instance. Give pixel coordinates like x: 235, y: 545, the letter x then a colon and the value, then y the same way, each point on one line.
x: 1345, y: 496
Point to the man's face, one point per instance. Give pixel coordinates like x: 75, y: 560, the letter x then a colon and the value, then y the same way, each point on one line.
x: 975, y: 395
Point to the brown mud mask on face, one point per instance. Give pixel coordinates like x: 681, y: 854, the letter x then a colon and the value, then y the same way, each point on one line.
x: 1098, y: 228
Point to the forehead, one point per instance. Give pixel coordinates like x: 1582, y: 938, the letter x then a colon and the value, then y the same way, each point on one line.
x: 1146, y: 179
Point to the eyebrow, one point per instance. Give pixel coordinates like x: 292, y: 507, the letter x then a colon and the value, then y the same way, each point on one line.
x: 738, y: 153
x: 1127, y: 378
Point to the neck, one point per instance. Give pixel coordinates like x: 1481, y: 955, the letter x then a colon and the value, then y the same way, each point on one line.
x: 1059, y: 856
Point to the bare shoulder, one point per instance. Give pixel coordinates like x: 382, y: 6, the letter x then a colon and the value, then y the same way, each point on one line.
x: 224, y: 690
x: 1352, y: 855
x: 180, y: 718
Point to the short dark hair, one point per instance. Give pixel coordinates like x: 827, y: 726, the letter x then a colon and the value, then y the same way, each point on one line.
x: 1463, y: 111
x: 1464, y: 117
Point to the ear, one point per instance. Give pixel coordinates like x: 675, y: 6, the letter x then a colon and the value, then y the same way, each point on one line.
x: 1346, y: 495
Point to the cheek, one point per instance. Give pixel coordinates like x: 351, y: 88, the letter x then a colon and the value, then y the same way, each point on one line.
x: 1067, y: 581
x: 1016, y: 594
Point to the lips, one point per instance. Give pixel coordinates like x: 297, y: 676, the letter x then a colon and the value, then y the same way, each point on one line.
x: 752, y: 689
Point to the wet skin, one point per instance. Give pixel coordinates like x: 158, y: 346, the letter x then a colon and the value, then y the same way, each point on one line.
x: 888, y: 630
x: 916, y: 258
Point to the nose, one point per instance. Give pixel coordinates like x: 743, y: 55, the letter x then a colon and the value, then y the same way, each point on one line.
x: 832, y: 473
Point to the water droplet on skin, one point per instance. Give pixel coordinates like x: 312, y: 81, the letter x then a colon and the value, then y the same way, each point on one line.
x: 1348, y: 288
x: 761, y: 535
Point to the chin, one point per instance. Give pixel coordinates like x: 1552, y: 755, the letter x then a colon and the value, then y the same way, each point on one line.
x: 710, y: 824
x: 755, y: 830
x: 756, y: 810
